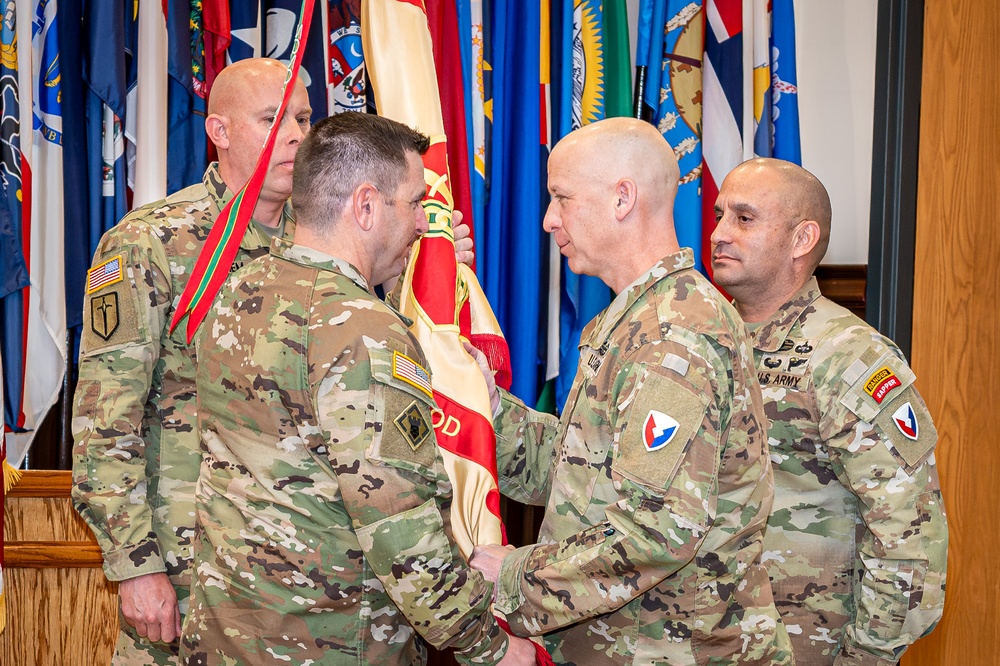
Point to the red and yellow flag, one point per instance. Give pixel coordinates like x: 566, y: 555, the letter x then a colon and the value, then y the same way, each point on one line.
x: 438, y: 295
x: 443, y: 299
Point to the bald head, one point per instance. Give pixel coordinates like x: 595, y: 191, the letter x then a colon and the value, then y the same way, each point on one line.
x: 801, y: 194
x: 625, y: 148
x: 238, y: 80
x: 244, y: 101
x: 613, y: 185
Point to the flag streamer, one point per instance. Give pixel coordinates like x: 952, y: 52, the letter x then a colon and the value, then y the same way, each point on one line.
x: 224, y: 239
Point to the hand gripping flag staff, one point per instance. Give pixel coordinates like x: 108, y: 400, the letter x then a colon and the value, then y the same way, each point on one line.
x: 443, y: 299
x: 212, y: 267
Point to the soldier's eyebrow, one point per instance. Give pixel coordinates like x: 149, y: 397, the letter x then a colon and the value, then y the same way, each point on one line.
x: 745, y: 208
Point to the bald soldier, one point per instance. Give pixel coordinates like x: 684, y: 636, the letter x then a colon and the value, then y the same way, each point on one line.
x: 857, y: 541
x: 136, y: 453
x: 656, y: 480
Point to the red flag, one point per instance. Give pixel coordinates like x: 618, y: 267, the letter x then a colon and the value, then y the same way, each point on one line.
x: 215, y: 19
x: 443, y: 299
x: 442, y: 19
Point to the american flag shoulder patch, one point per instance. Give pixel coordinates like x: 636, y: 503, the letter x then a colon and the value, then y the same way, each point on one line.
x: 406, y: 369
x: 106, y: 273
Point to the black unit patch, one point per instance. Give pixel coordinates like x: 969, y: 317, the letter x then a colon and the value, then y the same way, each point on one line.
x: 104, y: 319
x: 413, y: 426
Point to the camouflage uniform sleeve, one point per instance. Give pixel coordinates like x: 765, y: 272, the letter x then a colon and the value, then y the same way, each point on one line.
x: 122, y: 323
x: 667, y: 500
x: 525, y: 450
x: 396, y: 496
x: 881, y: 441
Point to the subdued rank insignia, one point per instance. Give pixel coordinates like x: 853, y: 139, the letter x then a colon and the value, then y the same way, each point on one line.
x: 413, y: 426
x: 104, y: 315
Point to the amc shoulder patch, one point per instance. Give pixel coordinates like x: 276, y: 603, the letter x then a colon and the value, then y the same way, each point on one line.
x: 906, y: 427
x: 663, y: 418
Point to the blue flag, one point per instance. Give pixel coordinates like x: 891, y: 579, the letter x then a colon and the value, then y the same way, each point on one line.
x: 580, y: 101
x: 784, y: 83
x: 187, y: 145
x: 669, y: 51
x: 76, y: 175
x: 109, y: 71
x: 281, y: 18
x: 245, y: 29
x: 512, y: 238
x: 12, y: 262
x: 13, y: 271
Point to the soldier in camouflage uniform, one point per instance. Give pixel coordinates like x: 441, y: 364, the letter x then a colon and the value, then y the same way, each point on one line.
x: 656, y: 480
x: 137, y: 452
x: 322, y: 507
x: 856, y: 543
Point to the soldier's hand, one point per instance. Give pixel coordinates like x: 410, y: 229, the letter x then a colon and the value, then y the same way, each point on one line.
x: 520, y: 652
x: 464, y: 253
x: 149, y: 603
x: 484, y: 367
x: 487, y: 560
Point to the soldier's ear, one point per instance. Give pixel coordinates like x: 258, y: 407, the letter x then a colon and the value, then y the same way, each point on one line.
x: 365, y: 201
x: 215, y: 128
x: 624, y: 198
x: 805, y: 238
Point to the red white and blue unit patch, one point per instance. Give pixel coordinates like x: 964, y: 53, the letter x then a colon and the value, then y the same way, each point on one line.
x: 906, y: 421
x: 658, y: 430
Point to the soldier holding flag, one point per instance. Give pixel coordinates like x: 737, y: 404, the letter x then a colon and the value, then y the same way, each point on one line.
x: 656, y: 480
x: 323, y: 504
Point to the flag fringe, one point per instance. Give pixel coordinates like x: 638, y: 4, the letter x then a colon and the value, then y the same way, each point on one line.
x: 10, y: 478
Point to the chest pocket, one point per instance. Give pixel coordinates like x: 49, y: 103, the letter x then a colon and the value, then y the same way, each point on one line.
x: 585, y: 442
x: 401, y: 413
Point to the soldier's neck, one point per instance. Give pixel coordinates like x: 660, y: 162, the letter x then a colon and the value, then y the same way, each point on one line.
x: 268, y: 213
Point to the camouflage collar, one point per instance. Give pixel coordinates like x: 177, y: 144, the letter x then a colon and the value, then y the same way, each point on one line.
x: 216, y: 186
x: 769, y: 336
x: 221, y: 193
x: 598, y: 330
x: 307, y: 256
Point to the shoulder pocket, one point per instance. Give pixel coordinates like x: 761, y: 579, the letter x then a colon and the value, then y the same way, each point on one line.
x: 116, y: 301
x: 879, y: 385
x: 884, y: 396
x: 906, y: 425
x: 401, y: 412
x: 663, y: 417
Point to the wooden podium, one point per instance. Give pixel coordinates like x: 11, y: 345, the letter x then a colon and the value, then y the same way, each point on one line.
x: 61, y: 610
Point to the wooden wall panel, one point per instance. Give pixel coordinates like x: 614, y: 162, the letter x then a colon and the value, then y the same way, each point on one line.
x: 956, y: 324
x: 61, y: 610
